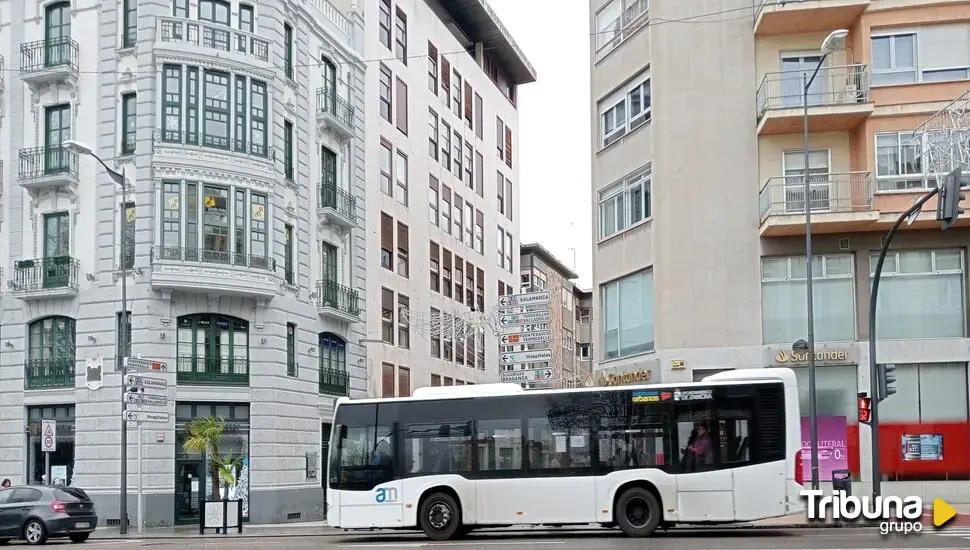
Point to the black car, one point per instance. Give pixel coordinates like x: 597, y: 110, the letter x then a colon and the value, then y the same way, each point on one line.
x: 35, y: 513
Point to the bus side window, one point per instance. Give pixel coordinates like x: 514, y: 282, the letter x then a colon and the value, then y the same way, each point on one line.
x: 437, y: 449
x: 696, y: 441
x: 499, y: 444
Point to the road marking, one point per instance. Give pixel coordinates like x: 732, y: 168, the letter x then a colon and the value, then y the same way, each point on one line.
x: 462, y: 543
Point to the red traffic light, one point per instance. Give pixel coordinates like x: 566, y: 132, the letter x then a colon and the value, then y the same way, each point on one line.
x: 865, y: 409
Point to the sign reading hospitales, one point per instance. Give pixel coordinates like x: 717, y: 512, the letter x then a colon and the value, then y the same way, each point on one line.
x: 522, y: 300
x: 48, y: 436
x: 146, y: 416
x: 530, y: 356
x: 531, y: 375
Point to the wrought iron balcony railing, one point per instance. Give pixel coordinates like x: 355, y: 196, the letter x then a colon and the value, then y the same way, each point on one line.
x: 331, y: 294
x: 44, y: 374
x: 329, y: 102
x: 338, y: 199
x: 46, y: 273
x: 205, y: 256
x: 334, y: 382
x: 50, y: 54
x: 43, y: 162
x: 212, y: 371
x: 843, y: 85
x: 828, y: 193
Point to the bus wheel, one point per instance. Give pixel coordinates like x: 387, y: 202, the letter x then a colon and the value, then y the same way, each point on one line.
x: 637, y: 512
x: 440, y: 517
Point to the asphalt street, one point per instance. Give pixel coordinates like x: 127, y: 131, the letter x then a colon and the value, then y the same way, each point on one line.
x: 681, y: 539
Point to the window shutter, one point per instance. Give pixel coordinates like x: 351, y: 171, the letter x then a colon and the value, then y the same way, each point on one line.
x: 402, y: 106
x: 387, y: 232
x: 480, y: 280
x: 446, y: 194
x: 433, y: 182
x: 508, y: 202
x: 508, y: 146
x: 403, y: 382
x: 434, y: 251
x: 445, y: 77
x: 402, y: 237
x: 387, y: 380
x: 447, y: 261
x: 469, y: 97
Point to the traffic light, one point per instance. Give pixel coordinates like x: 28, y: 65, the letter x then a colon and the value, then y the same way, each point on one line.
x: 948, y: 208
x: 865, y: 408
x: 887, y: 382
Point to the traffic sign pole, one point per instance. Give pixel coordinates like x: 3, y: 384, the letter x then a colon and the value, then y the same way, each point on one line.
x: 133, y: 388
x: 48, y: 438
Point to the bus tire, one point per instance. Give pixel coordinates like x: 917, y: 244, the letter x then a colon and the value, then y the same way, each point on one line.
x: 440, y: 517
x: 637, y: 512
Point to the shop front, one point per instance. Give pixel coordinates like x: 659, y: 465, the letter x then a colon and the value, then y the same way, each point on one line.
x: 62, y: 458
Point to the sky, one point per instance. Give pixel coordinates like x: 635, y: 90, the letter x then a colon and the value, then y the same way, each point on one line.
x: 554, y: 128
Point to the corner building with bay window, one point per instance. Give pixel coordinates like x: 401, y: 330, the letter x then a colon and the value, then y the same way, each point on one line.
x: 699, y: 212
x: 239, y: 128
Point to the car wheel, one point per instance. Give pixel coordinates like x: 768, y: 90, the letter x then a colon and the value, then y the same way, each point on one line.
x: 637, y: 512
x: 80, y: 537
x: 440, y: 517
x: 35, y: 532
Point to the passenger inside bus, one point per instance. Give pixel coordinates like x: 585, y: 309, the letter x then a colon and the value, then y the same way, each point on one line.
x: 698, y: 450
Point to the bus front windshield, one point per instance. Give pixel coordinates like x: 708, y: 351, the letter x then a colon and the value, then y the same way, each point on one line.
x: 362, y: 456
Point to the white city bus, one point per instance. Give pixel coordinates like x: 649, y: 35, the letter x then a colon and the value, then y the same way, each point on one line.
x: 450, y: 459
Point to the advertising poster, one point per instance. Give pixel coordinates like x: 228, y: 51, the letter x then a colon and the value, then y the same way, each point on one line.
x: 833, y: 449
x: 922, y: 447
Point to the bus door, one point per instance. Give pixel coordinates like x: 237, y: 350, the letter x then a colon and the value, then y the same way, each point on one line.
x: 705, y: 491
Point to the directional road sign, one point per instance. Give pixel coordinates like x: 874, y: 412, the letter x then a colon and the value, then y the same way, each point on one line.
x: 137, y: 363
x: 531, y: 375
x: 520, y: 300
x: 540, y: 337
x: 524, y: 318
x: 531, y: 356
x: 145, y: 416
x: 520, y: 329
x: 146, y: 399
x: 48, y: 436
x: 139, y: 381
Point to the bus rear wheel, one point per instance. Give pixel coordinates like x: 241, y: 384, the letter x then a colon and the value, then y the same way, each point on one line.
x: 637, y: 512
x: 440, y: 517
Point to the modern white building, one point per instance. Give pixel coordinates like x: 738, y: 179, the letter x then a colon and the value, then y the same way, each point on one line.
x: 442, y: 207
x: 239, y: 127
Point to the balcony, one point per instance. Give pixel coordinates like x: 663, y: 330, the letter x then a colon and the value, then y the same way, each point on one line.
x: 772, y: 17
x: 334, y: 382
x: 41, y: 168
x: 337, y: 302
x: 335, y: 114
x: 840, y: 202
x: 212, y: 371
x: 47, y: 61
x: 196, y: 39
x: 49, y: 374
x: 197, y: 270
x: 217, y: 143
x: 42, y: 278
x: 337, y: 207
x: 838, y: 100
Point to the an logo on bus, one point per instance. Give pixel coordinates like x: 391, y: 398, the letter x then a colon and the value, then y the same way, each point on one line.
x: 386, y: 495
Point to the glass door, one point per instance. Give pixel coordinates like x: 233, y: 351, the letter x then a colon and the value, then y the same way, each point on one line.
x: 57, y: 242
x: 58, y: 130
x: 795, y: 68
x: 57, y: 34
x: 329, y: 87
x: 189, y: 483
x: 818, y: 179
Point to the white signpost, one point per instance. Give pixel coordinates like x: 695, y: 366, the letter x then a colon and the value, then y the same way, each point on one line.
x: 134, y: 398
x: 532, y: 375
x: 540, y: 337
x: 48, y: 445
x: 528, y: 356
x: 524, y: 318
x: 521, y: 300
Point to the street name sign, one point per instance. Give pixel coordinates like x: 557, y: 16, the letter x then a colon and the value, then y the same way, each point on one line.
x: 145, y: 416
x: 521, y: 300
x: 519, y: 329
x: 530, y: 356
x: 138, y: 381
x: 525, y: 318
x: 530, y: 375
x: 138, y: 363
x: 146, y: 399
x: 540, y: 337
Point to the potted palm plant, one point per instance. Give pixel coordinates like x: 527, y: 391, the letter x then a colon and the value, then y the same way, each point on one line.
x: 220, y: 511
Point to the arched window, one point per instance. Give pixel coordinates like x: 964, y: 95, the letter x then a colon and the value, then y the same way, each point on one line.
x: 50, y: 353
x: 333, y: 364
x: 213, y: 349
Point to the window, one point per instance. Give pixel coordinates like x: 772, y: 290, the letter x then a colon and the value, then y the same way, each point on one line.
x: 500, y: 191
x: 469, y: 167
x: 626, y: 110
x: 401, y: 36
x: 258, y: 129
x: 288, y: 253
x: 246, y: 18
x: 180, y: 8
x: 333, y: 363
x: 509, y: 199
x: 403, y: 382
x: 121, y: 353
x: 936, y: 278
x: 401, y: 177
x: 213, y: 347
x: 387, y: 380
x: 479, y: 126
x: 433, y: 133
x: 129, y: 24
x: 479, y: 232
x: 445, y: 81
x: 435, y: 338
x: 499, y: 134
x: 288, y: 50
x: 128, y: 237
x: 567, y: 300
x: 567, y: 339
x: 215, y: 120
x: 459, y: 279
x: 172, y: 103
x: 505, y: 437
x: 628, y: 322
x: 402, y: 250
x: 898, y: 162
x: 584, y: 352
x: 508, y: 146
x: 387, y: 241
x: 51, y: 353
x: 387, y: 316
x: 403, y: 326
x: 625, y: 203
x: 435, y: 379
x: 894, y: 59
x: 479, y: 174
x: 783, y: 311
x: 445, y: 145
x: 445, y: 209
x: 458, y: 216
x: 129, y: 122
x: 288, y: 150
x: 433, y: 68
x: 402, y: 106
x: 385, y: 93
x: 608, y: 25
x: 456, y: 93
x: 434, y: 268
x: 433, y: 201
x: 446, y: 284
x: 387, y: 157
x: 508, y: 252
x: 469, y: 111
x: 215, y: 11
x: 328, y: 262
x: 384, y: 23
x: 469, y: 228
x: 290, y: 349
x: 500, y: 250
x: 456, y: 154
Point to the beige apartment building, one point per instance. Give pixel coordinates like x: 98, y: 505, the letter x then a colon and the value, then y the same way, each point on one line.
x: 698, y: 208
x: 569, y: 313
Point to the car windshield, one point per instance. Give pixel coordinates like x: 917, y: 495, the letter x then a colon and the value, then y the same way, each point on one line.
x: 70, y: 494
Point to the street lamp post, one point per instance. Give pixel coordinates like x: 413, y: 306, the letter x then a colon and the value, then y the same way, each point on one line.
x: 834, y: 42
x: 119, y: 178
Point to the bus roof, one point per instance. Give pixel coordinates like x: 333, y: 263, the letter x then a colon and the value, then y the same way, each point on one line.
x: 725, y: 378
